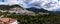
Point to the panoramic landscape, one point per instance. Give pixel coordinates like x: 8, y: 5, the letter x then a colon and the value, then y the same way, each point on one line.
x: 29, y: 11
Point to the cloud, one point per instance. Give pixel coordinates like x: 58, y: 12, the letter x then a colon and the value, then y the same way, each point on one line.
x: 46, y: 4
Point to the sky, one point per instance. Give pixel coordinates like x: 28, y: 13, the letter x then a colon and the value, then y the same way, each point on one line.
x: 1, y: 0
x: 51, y: 5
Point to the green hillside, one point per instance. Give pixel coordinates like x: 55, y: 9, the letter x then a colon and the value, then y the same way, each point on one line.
x: 52, y: 18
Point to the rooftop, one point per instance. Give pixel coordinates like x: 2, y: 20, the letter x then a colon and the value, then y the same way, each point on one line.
x: 7, y: 20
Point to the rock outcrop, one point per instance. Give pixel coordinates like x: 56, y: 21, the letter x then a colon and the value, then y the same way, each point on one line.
x: 19, y: 10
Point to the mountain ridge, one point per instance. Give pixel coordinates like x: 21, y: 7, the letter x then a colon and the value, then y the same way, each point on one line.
x: 37, y: 10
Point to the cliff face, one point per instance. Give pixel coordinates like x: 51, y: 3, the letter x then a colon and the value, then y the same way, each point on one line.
x: 19, y: 10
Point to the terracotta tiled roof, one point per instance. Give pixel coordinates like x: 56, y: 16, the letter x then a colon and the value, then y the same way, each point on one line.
x: 4, y: 19
x: 9, y: 20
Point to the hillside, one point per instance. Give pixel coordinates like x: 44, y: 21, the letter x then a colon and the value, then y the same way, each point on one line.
x: 37, y: 10
x: 7, y: 7
x: 52, y: 18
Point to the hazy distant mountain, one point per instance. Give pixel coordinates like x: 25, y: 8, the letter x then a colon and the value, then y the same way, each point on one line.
x: 36, y: 9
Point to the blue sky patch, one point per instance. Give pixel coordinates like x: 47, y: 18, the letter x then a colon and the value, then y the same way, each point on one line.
x: 2, y: 0
x: 58, y: 0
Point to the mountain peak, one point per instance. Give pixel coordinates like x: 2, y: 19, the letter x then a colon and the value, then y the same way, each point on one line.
x: 36, y: 9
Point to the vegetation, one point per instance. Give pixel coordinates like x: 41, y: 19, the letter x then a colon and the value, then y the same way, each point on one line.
x: 38, y: 19
x: 7, y: 7
x: 52, y: 18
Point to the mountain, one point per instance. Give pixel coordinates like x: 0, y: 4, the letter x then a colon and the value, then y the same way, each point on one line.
x: 7, y: 7
x: 47, y: 4
x: 15, y: 5
x: 36, y: 9
x: 4, y: 7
